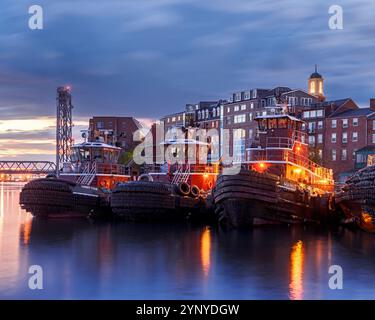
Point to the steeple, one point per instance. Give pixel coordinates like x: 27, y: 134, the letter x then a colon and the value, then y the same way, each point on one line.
x: 316, y: 85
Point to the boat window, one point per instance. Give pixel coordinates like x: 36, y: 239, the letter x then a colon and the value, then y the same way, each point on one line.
x: 84, y: 154
x: 262, y: 124
x: 75, y: 155
x: 272, y: 123
x: 282, y: 123
x: 106, y: 156
x: 97, y: 154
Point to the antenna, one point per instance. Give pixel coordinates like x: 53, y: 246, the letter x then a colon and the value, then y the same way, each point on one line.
x: 64, y: 126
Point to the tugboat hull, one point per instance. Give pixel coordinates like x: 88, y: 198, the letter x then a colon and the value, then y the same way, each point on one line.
x: 357, y: 199
x: 153, y: 201
x: 57, y: 198
x: 252, y: 198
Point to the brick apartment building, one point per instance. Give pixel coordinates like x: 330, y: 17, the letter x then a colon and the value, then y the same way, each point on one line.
x: 336, y: 130
x: 117, y: 131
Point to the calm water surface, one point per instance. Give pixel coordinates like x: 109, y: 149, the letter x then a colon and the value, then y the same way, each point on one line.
x: 87, y: 260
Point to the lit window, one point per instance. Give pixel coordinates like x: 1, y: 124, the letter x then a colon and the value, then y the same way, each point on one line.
x: 355, y: 136
x: 214, y: 112
x: 321, y: 87
x: 319, y: 113
x: 333, y: 137
x: 312, y: 87
x: 333, y: 154
x: 355, y: 122
x: 250, y: 133
x: 240, y: 118
x: 320, y: 125
x: 306, y: 114
x: 344, y: 154
x: 344, y: 123
x: 207, y: 114
x: 243, y: 106
x: 236, y: 108
x: 344, y: 137
x: 373, y: 138
x: 334, y: 124
x: 173, y: 119
x: 228, y: 110
x: 252, y: 105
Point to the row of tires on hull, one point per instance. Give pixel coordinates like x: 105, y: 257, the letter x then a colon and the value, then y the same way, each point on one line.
x: 148, y: 201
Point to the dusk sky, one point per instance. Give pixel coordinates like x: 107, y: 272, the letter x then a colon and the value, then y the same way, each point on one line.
x: 148, y: 58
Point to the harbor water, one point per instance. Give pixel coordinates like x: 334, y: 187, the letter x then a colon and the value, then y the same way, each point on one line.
x: 82, y: 259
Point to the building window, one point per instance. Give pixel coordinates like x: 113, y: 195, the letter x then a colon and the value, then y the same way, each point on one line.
x: 243, y: 106
x: 199, y: 115
x: 306, y: 114
x: 320, y: 125
x: 168, y: 120
x: 207, y: 114
x: 251, y: 133
x: 333, y: 137
x: 344, y: 154
x: 214, y: 112
x: 320, y: 138
x: 333, y: 154
x: 250, y: 116
x: 228, y: 110
x: 237, y: 96
x: 320, y: 154
x: 355, y: 136
x: 373, y: 138
x: 319, y: 113
x: 252, y: 105
x: 247, y: 95
x: 344, y: 123
x: 173, y: 119
x: 236, y: 108
x: 311, y: 127
x: 312, y: 140
x: 179, y: 118
x: 229, y: 120
x: 373, y: 124
x: 100, y: 125
x: 344, y: 137
x: 240, y: 118
x: 355, y: 122
x: 334, y: 124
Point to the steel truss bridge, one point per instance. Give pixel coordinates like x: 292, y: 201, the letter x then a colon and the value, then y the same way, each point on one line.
x: 27, y: 167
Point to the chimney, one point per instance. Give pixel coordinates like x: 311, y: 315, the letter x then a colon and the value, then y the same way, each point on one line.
x: 372, y: 104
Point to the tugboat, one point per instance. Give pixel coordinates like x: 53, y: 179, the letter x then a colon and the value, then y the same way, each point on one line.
x: 277, y: 182
x: 357, y: 199
x: 83, y: 186
x: 169, y: 192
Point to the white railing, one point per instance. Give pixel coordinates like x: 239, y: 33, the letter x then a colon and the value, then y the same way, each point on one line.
x: 88, y: 174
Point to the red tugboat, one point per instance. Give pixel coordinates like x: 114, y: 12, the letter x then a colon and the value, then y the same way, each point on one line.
x: 169, y: 192
x: 82, y: 188
x: 277, y: 182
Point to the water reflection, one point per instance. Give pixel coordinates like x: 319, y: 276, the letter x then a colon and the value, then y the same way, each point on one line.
x: 206, y: 250
x: 82, y: 259
x: 296, y: 271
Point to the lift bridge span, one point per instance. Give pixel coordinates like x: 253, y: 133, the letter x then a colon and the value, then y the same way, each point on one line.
x: 27, y: 167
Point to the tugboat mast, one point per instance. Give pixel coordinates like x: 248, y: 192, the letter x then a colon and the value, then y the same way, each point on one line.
x: 64, y: 126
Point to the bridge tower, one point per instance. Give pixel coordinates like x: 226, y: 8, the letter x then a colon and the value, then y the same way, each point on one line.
x: 64, y: 125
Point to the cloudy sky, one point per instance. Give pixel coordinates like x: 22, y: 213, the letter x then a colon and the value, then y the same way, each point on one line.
x: 147, y: 58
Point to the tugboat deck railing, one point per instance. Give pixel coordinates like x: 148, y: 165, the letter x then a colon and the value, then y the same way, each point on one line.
x: 289, y: 156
